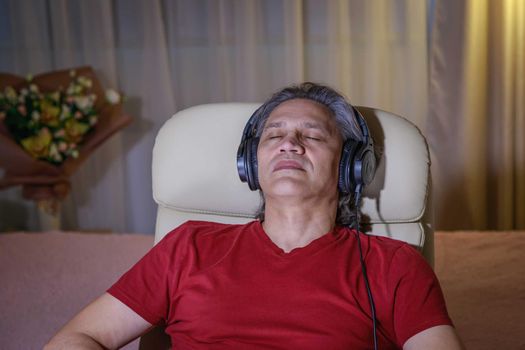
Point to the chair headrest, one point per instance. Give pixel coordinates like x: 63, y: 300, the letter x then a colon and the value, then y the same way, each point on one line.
x: 194, y: 165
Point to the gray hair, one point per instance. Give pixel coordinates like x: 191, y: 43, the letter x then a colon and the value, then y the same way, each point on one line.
x: 346, y: 122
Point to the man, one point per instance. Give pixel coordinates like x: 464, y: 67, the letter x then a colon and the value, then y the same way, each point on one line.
x: 293, y: 279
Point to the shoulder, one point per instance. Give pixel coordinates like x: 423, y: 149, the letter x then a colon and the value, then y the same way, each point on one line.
x: 203, y: 232
x: 395, y: 249
x: 203, y: 242
x: 385, y: 248
x: 386, y: 256
x: 399, y: 262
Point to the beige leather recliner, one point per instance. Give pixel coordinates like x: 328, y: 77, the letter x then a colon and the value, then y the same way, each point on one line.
x: 195, y: 174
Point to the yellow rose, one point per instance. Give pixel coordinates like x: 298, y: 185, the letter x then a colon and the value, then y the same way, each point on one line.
x: 74, y: 131
x: 49, y: 114
x: 38, y: 146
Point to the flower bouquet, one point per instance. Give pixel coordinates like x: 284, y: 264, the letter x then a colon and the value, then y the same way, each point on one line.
x: 49, y: 125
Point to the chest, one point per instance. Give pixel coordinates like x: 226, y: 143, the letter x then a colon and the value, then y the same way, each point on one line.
x: 287, y: 303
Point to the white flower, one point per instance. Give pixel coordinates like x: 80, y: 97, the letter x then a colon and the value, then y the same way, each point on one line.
x: 85, y: 82
x: 54, y: 153
x: 35, y: 115
x: 93, y: 120
x: 55, y: 96
x: 10, y: 93
x: 82, y: 102
x: 66, y: 111
x: 112, y: 96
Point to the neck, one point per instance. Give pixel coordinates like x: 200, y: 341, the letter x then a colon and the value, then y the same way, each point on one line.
x: 292, y: 225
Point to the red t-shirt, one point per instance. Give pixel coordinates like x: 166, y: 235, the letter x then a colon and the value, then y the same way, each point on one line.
x: 217, y: 286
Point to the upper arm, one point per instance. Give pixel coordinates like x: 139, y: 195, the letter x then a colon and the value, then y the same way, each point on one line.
x: 435, y: 338
x: 106, y: 321
x: 417, y: 300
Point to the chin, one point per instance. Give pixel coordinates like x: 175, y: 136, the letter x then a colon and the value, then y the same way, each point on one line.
x: 287, y: 188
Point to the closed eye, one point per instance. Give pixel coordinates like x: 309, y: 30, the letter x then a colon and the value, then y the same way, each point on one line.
x: 313, y: 138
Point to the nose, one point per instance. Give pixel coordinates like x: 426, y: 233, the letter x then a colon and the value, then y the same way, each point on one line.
x: 291, y: 143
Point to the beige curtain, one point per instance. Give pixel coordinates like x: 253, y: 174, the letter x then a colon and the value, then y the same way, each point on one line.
x: 168, y: 55
x: 477, y: 114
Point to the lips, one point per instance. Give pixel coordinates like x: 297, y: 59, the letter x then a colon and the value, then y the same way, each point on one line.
x: 288, y: 164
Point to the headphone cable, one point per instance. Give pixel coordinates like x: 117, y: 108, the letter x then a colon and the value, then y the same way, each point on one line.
x: 363, y: 267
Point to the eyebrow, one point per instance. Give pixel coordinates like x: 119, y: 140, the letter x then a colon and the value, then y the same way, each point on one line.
x: 273, y: 125
x: 308, y: 125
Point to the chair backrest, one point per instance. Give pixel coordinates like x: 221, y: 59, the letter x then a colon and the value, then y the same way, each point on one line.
x: 195, y: 174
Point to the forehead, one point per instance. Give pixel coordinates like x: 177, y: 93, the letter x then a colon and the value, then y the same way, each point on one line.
x: 304, y: 111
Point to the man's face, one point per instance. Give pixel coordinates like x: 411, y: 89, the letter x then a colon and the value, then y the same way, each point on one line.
x: 299, y: 151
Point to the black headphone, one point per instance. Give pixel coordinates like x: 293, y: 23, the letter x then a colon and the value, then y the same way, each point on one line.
x: 356, y: 168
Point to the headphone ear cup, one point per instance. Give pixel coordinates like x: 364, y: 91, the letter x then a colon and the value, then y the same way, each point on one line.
x: 358, y: 163
x: 346, y: 166
x: 251, y: 163
x: 241, y: 162
x: 367, y: 167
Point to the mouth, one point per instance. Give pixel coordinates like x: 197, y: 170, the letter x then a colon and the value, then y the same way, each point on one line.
x: 288, y: 164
